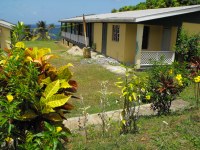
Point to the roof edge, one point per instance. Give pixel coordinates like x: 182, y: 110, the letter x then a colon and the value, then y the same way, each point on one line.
x: 172, y: 13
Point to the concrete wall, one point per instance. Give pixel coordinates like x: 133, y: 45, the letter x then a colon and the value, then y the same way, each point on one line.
x: 130, y: 43
x: 5, y: 39
x: 115, y: 49
x: 191, y: 28
x: 97, y: 37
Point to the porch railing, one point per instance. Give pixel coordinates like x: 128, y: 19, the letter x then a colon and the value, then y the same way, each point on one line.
x: 147, y: 57
x: 75, y: 38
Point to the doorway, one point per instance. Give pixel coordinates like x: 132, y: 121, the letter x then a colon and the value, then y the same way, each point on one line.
x: 104, y: 38
x: 166, y: 39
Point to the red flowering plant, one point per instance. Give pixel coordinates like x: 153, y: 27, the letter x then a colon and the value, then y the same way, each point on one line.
x: 165, y: 84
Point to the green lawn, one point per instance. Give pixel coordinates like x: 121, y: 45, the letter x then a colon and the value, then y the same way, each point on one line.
x: 88, y: 76
x: 182, y: 131
x: 47, y: 44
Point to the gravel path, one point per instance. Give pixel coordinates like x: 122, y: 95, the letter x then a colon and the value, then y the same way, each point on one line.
x: 96, y: 58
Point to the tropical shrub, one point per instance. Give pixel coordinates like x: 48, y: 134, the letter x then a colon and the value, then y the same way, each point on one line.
x: 188, y: 46
x: 197, y: 89
x: 34, y: 98
x: 194, y: 68
x: 165, y: 84
x: 18, y: 33
x: 133, y: 89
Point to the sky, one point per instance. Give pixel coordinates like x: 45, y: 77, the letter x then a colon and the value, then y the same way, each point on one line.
x: 50, y: 11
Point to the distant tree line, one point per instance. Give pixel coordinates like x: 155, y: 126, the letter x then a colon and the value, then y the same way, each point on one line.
x: 149, y: 4
x: 25, y: 32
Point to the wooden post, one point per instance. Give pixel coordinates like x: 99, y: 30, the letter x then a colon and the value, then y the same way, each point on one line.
x: 85, y: 31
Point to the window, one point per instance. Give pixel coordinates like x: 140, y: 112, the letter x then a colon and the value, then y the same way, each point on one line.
x: 80, y: 29
x: 145, y: 39
x: 115, y: 33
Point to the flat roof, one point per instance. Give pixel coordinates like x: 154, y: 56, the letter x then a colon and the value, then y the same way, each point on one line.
x: 6, y: 24
x: 137, y: 15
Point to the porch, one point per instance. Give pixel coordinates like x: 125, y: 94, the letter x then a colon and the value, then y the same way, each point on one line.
x: 155, y: 43
x: 78, y: 39
x: 149, y: 57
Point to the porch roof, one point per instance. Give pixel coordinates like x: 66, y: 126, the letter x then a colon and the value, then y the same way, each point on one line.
x: 136, y: 16
x: 6, y: 24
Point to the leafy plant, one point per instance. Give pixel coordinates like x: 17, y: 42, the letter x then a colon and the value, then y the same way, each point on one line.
x: 133, y: 87
x: 18, y: 33
x: 188, y: 46
x: 194, y: 68
x: 104, y: 101
x: 83, y: 124
x: 32, y: 92
x: 165, y: 83
x: 50, y: 138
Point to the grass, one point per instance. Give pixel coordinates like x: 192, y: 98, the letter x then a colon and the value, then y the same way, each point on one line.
x: 88, y: 77
x: 47, y: 44
x: 188, y: 94
x: 180, y: 132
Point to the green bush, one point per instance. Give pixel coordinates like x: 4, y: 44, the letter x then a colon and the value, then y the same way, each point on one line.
x: 165, y: 83
x: 133, y: 89
x: 188, y: 46
x: 33, y: 98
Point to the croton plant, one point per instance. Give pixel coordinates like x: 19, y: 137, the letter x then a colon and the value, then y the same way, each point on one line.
x: 34, y: 98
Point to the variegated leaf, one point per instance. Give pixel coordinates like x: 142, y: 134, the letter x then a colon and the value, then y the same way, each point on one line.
x: 52, y: 89
x: 57, y: 100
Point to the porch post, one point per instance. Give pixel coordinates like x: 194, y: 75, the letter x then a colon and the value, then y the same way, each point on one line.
x: 139, y: 37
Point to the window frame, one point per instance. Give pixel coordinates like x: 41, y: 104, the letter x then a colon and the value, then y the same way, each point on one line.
x: 115, y: 33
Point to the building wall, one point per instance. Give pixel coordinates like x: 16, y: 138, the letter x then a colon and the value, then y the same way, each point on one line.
x: 130, y: 43
x: 174, y: 31
x: 155, y: 38
x: 191, y: 28
x: 5, y: 38
x: 97, y: 37
x: 116, y: 49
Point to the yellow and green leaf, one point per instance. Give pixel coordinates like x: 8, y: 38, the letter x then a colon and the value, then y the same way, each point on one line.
x: 28, y: 115
x: 57, y: 100
x: 53, y: 117
x: 45, y: 81
x: 64, y: 84
x: 64, y: 72
x: 52, y: 89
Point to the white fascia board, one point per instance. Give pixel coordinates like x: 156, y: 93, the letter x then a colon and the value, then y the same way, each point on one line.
x: 6, y: 26
x: 167, y: 14
x: 120, y: 20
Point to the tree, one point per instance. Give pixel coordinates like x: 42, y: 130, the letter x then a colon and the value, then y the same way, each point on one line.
x: 114, y: 10
x: 28, y: 34
x: 42, y: 30
x: 140, y: 6
x: 150, y: 4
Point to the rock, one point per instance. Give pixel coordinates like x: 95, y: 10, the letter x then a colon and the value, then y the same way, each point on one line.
x: 76, y: 51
